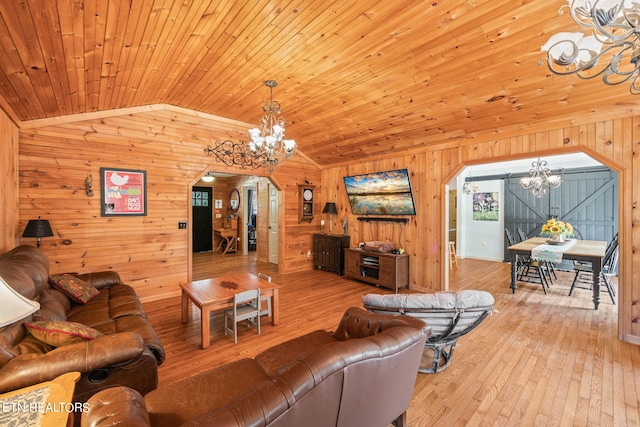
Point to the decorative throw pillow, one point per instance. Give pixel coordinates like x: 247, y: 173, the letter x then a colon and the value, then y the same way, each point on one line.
x: 76, y: 289
x: 58, y: 333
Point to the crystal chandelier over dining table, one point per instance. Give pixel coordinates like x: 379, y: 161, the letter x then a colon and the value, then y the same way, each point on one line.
x: 267, y: 140
x: 606, y: 45
x: 540, y: 179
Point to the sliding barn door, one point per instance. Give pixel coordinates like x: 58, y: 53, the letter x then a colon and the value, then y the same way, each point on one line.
x: 588, y: 200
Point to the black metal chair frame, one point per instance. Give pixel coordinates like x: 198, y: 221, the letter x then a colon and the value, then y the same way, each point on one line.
x: 442, y: 342
x: 530, y: 270
x: 609, y: 264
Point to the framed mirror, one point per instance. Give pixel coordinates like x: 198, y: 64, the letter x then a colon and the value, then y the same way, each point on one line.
x: 234, y: 200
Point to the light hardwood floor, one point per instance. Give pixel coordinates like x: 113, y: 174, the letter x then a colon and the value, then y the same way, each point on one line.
x: 538, y: 360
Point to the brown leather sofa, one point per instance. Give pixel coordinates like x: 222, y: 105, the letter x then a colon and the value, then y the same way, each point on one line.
x: 363, y: 374
x: 128, y: 353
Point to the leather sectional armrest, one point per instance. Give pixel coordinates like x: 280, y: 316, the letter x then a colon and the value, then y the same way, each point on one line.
x: 87, y: 356
x: 116, y: 406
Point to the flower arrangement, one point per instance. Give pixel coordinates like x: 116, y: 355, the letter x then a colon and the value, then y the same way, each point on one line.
x: 553, y: 227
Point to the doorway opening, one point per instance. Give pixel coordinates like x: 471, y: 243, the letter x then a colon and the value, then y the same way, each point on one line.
x: 588, y: 200
x: 238, y: 225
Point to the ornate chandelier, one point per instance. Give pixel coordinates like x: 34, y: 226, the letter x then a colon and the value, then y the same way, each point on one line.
x: 470, y: 188
x: 267, y: 140
x: 607, y: 45
x: 541, y: 179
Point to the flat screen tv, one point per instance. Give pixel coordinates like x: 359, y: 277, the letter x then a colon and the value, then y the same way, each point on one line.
x: 380, y: 193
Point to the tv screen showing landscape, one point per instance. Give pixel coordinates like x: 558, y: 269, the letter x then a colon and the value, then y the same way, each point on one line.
x: 380, y: 193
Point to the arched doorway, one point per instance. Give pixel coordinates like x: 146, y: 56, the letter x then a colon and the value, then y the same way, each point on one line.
x: 624, y: 270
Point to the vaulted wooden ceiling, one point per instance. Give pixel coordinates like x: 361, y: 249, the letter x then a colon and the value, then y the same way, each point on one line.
x: 355, y: 78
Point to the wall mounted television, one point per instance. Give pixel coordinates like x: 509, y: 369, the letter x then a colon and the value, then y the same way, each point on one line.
x: 380, y: 193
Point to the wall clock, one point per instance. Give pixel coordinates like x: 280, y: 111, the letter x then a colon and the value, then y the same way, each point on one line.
x: 306, y: 200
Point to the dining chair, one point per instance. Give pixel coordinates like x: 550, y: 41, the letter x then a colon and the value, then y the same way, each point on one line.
x: 529, y: 270
x: 521, y: 234
x: 245, y: 307
x: 549, y: 268
x: 584, y: 272
x: 267, y: 299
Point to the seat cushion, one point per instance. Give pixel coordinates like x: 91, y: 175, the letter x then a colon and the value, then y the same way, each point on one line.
x: 112, y: 302
x: 174, y: 404
x: 438, y: 300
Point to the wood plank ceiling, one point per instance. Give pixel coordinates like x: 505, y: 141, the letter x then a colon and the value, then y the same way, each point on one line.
x: 356, y: 78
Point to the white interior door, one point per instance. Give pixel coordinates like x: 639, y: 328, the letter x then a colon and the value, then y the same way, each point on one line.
x: 273, y: 224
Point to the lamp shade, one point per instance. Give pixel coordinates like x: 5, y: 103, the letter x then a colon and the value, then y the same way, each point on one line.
x: 13, y: 306
x: 38, y: 228
x: 330, y: 208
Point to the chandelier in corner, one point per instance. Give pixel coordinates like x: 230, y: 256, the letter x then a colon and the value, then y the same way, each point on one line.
x: 470, y: 188
x: 607, y: 44
x: 540, y: 179
x: 267, y: 140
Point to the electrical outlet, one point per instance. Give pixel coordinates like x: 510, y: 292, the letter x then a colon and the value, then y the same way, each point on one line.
x: 182, y: 225
x: 309, y: 254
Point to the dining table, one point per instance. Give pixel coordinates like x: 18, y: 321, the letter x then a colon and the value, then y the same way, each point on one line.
x: 572, y: 249
x: 217, y: 293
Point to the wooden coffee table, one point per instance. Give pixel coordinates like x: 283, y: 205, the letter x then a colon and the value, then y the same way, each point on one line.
x: 217, y: 294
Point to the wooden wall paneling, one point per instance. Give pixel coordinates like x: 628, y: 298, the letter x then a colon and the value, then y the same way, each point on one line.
x: 519, y: 146
x: 543, y: 141
x: 9, y: 207
x: 296, y: 237
x: 149, y: 252
x: 432, y: 167
x: 54, y: 161
x: 418, y: 232
x: 629, y: 253
x: 618, y: 135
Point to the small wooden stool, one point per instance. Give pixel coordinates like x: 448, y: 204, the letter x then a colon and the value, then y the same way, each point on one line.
x: 452, y: 255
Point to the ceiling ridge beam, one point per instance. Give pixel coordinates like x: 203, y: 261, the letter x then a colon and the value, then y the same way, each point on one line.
x: 31, y: 124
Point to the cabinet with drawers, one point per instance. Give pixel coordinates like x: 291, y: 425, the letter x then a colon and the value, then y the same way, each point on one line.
x: 382, y: 269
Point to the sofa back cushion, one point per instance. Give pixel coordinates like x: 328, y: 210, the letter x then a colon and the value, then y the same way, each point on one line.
x: 341, y: 382
x: 359, y: 323
x: 26, y: 270
x: 388, y: 375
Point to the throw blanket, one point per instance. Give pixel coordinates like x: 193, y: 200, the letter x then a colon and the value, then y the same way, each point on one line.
x: 551, y: 253
x: 24, y: 409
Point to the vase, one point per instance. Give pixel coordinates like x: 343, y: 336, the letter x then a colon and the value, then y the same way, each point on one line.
x: 557, y: 237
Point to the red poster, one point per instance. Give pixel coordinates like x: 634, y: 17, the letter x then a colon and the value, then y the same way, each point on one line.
x: 123, y: 192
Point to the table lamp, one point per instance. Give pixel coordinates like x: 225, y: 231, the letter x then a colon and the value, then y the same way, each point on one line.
x: 331, y: 209
x: 38, y: 228
x: 13, y: 306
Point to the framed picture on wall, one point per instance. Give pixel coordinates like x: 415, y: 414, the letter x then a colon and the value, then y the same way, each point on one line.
x: 486, y: 206
x: 124, y: 192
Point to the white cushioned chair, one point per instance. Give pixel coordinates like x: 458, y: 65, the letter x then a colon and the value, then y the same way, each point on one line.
x: 450, y: 315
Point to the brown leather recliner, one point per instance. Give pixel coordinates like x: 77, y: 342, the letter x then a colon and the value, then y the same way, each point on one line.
x: 363, y: 374
x: 128, y: 353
